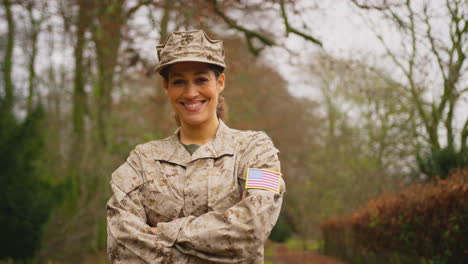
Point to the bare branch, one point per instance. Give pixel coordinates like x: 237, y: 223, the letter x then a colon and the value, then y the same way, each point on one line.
x: 369, y: 7
x: 463, y: 91
x: 432, y: 42
x: 386, y: 7
x: 255, y: 51
x: 137, y: 6
x: 392, y: 55
x: 290, y: 29
x: 249, y: 34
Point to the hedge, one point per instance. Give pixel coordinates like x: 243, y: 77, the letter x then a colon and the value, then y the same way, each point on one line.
x: 424, y: 223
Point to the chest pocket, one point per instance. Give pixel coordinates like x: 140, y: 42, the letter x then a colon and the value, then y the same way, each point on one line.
x: 159, y: 205
x: 224, y: 187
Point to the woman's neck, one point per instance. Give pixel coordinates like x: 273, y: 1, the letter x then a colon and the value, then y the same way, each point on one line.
x: 200, y: 134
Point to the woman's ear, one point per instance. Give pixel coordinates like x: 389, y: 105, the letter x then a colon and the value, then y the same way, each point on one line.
x: 221, y: 80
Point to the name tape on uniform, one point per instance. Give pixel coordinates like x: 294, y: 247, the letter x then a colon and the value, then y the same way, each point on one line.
x: 263, y: 179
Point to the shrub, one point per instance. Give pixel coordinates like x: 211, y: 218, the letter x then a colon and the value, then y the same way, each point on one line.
x: 422, y: 223
x: 441, y: 162
x: 281, y: 232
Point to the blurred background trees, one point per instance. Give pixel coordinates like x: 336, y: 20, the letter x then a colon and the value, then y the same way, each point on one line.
x: 430, y: 63
x: 78, y: 92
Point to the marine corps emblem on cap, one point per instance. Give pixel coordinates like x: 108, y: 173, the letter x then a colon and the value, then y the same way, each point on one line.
x: 190, y: 46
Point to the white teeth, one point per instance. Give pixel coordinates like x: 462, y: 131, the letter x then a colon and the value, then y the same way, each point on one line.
x: 193, y: 105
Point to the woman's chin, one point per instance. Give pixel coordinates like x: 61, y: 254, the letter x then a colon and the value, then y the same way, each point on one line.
x: 195, y: 121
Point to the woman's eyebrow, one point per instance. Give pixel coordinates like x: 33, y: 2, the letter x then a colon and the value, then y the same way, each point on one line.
x: 175, y: 74
x: 201, y: 72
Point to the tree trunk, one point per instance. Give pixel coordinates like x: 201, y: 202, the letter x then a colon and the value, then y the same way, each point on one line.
x: 8, y: 58
x: 35, y: 30
x: 79, y: 94
x: 32, y: 71
x: 107, y: 37
x: 165, y: 20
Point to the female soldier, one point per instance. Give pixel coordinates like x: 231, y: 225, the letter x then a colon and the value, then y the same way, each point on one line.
x: 206, y: 194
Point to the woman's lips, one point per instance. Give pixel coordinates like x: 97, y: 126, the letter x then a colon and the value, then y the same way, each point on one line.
x: 193, y: 105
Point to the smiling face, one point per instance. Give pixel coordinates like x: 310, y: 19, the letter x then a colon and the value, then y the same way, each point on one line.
x: 193, y: 89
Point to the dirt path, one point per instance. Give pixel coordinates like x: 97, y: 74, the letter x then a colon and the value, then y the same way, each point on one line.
x: 283, y: 255
x: 280, y: 255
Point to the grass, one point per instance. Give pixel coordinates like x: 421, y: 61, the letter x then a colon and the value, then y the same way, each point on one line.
x: 310, y: 245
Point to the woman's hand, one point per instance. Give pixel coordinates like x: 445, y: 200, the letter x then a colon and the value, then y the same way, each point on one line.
x: 154, y: 229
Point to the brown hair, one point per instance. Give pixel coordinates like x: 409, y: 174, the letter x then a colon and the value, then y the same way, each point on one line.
x: 221, y: 108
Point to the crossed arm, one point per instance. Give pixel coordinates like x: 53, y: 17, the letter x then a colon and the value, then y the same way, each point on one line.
x: 233, y: 236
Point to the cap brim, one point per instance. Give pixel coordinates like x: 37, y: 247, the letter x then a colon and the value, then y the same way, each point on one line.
x: 160, y: 67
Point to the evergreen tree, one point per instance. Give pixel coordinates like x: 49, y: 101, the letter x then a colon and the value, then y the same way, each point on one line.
x: 26, y: 196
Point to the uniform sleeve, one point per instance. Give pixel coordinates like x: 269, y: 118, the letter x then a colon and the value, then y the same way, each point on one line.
x: 236, y: 235
x: 129, y: 238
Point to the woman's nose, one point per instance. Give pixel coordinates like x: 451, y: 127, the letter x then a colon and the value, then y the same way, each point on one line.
x: 191, y: 91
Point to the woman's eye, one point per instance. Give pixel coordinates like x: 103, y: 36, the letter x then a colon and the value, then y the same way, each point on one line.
x: 202, y: 80
x: 178, y: 82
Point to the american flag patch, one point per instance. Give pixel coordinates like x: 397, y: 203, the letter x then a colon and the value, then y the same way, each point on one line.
x: 263, y: 179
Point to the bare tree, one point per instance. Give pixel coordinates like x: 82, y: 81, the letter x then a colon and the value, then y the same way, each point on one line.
x: 110, y: 17
x: 417, y: 23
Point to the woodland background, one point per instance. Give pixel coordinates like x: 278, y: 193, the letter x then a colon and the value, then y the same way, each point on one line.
x: 78, y: 92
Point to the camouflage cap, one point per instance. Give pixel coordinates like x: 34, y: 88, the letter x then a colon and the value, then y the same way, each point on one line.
x: 190, y: 46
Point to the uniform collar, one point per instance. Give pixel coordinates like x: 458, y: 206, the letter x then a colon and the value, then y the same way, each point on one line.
x: 223, y: 143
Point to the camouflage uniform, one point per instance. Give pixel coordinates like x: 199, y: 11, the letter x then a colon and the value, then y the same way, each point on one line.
x: 194, y: 200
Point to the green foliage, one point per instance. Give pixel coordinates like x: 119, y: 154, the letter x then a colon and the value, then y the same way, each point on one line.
x: 101, y: 235
x: 281, y: 232
x: 25, y: 194
x: 310, y: 245
x: 441, y: 162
